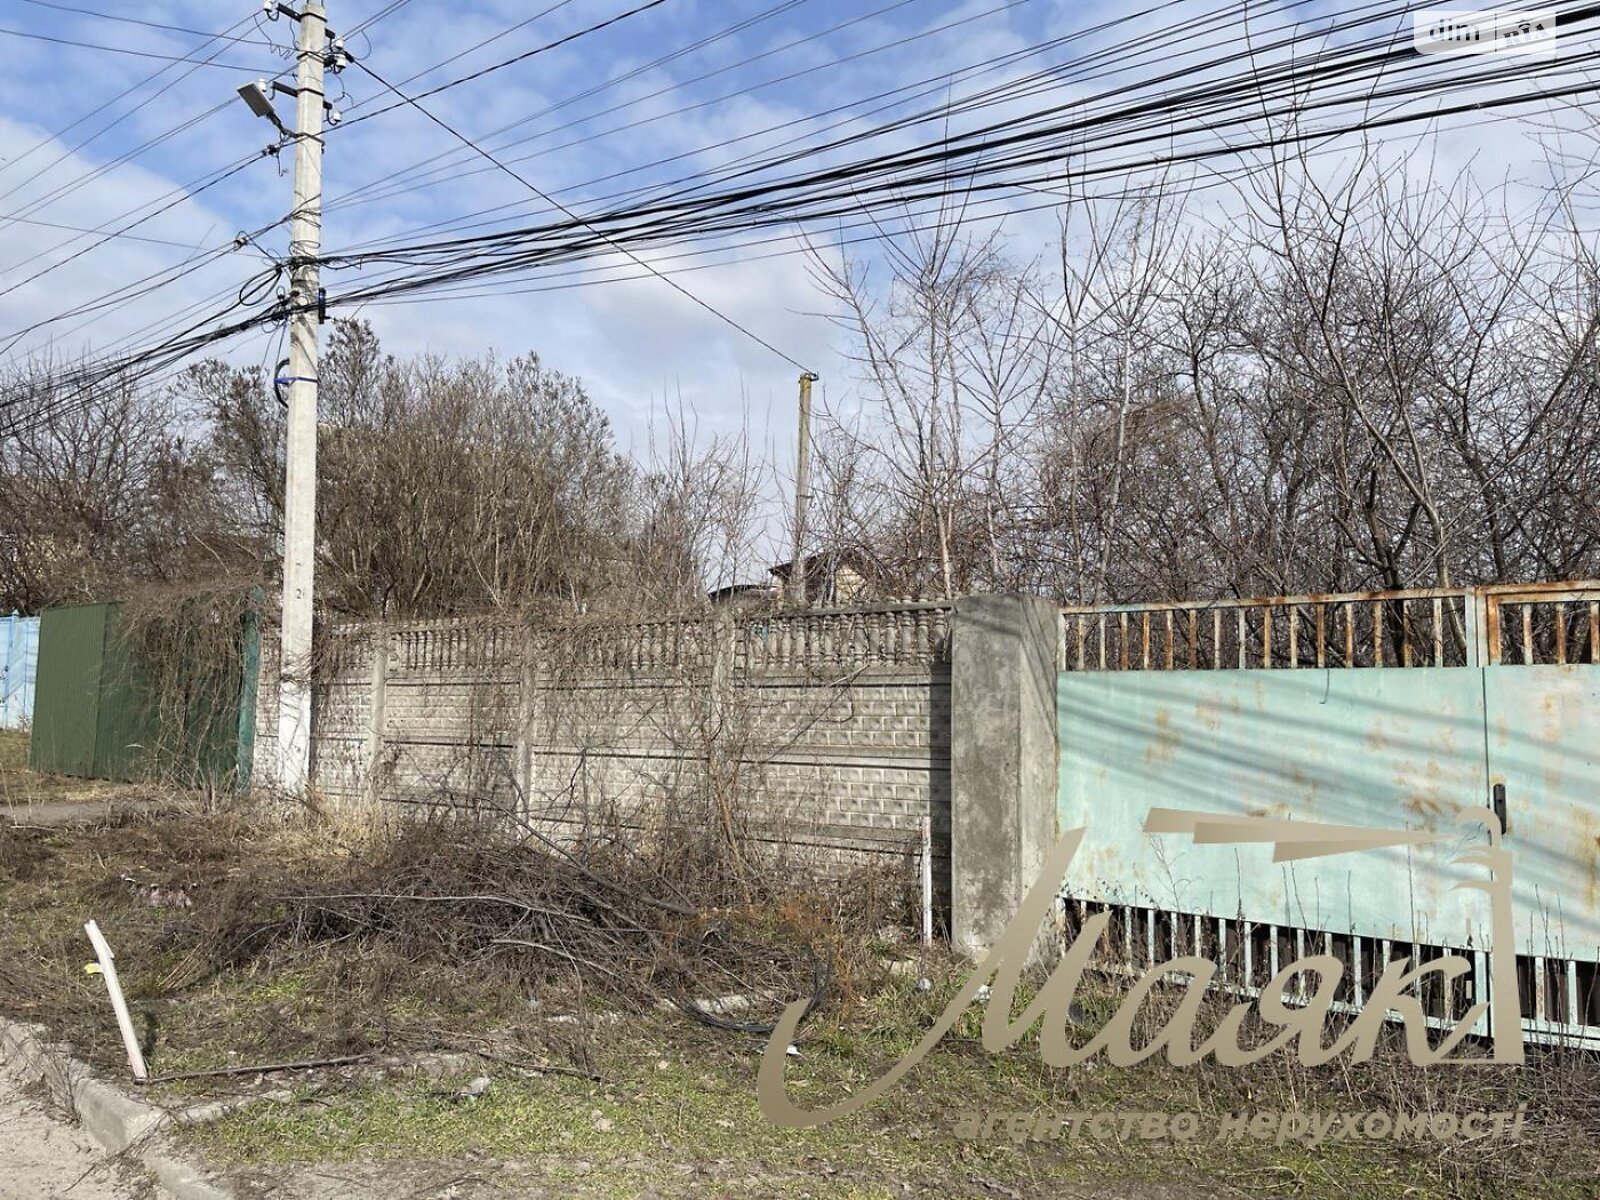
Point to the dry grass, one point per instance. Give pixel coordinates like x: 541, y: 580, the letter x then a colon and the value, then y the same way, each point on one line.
x: 24, y: 790
x: 310, y: 938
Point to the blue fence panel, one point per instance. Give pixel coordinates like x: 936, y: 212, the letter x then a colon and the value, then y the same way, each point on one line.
x: 19, y: 666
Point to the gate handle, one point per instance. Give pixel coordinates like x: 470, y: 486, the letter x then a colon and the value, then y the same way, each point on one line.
x: 1500, y: 808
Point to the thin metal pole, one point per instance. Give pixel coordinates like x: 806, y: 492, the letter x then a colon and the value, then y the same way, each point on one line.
x: 802, y: 493
x: 300, y: 484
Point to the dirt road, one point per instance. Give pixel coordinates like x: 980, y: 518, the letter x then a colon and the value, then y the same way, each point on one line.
x: 54, y: 814
x: 44, y: 1156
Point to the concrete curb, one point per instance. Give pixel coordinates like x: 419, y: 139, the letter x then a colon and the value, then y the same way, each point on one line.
x: 115, y: 1120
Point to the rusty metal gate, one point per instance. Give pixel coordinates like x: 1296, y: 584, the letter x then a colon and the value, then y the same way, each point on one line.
x: 1388, y: 710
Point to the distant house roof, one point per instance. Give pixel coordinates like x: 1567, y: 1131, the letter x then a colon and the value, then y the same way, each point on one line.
x: 734, y: 592
x: 831, y: 576
x: 822, y: 560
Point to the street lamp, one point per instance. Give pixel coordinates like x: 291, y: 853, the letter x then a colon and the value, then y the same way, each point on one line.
x: 257, y: 94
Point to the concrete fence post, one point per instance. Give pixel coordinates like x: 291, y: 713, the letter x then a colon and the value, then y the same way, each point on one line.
x: 1003, y: 759
x: 376, y: 720
x: 10, y: 677
x: 527, y: 713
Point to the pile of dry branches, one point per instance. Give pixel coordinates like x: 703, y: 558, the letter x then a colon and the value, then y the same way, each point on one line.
x: 588, y: 923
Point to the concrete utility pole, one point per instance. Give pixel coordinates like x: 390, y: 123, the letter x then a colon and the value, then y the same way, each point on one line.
x: 802, y: 493
x: 300, y: 485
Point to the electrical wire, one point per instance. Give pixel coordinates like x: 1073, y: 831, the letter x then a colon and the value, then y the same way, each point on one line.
x: 142, y: 288
x: 853, y: 201
x: 132, y: 237
x: 985, y: 144
x: 677, y: 287
x: 185, y: 195
x: 448, y: 171
x: 122, y: 95
x: 105, y: 16
x: 171, y: 58
x: 387, y: 10
x: 174, y: 196
x: 874, y: 231
x: 78, y: 182
x: 523, y: 57
x: 1120, y: 54
x: 84, y: 179
x: 940, y: 113
x: 1055, y: 147
x: 189, y: 341
x: 927, y: 86
x: 472, y: 49
x: 162, y: 278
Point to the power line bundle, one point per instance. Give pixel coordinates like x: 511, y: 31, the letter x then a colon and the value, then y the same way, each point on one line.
x: 995, y: 133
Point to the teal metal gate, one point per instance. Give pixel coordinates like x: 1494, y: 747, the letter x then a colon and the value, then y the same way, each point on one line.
x: 1392, y: 711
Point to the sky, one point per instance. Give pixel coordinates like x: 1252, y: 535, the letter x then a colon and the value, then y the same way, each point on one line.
x: 581, y: 120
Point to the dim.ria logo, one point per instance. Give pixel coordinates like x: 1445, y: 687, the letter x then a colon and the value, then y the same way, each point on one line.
x: 1302, y: 1025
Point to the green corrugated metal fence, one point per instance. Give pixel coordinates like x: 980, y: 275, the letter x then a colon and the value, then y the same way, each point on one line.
x: 66, y: 699
x: 95, y: 714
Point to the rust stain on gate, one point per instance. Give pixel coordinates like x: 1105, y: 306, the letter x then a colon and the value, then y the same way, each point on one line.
x: 1388, y: 709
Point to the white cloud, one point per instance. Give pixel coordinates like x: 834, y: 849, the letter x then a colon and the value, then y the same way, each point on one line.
x: 637, y: 343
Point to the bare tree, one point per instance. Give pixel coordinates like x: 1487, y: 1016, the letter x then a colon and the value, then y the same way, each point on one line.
x: 98, y: 484
x: 443, y: 486
x: 1358, y: 377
